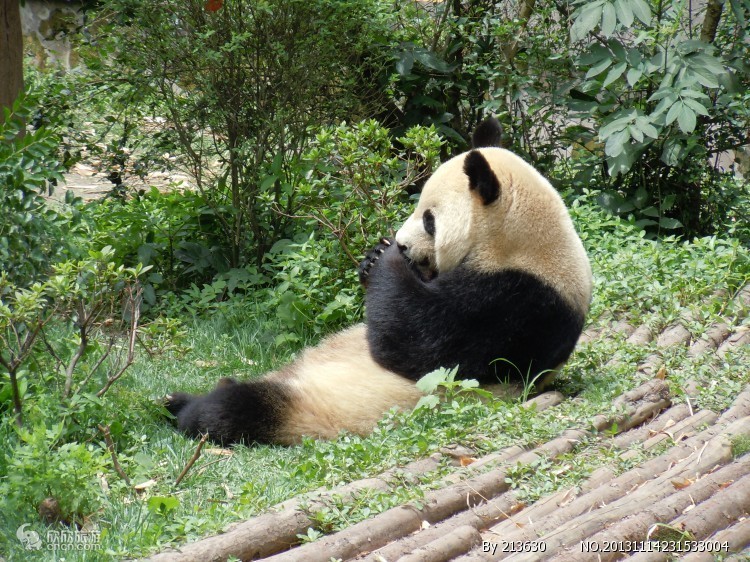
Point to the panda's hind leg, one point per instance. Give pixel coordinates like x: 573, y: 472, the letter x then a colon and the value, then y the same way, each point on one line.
x: 174, y: 403
x: 234, y: 412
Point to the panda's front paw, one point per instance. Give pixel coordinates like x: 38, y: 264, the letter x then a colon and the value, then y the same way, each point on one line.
x: 371, y: 257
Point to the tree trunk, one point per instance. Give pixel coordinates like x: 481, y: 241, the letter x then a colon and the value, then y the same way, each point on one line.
x: 11, y: 54
x: 711, y: 20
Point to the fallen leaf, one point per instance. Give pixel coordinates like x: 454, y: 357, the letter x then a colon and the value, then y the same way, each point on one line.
x: 217, y: 451
x: 144, y: 485
x: 680, y: 483
x: 201, y: 363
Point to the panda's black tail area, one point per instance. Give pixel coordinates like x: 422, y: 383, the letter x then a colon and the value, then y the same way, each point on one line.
x: 247, y: 412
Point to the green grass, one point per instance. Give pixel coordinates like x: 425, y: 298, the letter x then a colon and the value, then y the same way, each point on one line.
x: 637, y: 279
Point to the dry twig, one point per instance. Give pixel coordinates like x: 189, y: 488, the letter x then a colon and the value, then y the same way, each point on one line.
x: 111, y: 447
x: 194, y: 458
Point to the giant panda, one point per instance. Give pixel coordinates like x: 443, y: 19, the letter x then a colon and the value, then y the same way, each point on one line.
x: 488, y: 274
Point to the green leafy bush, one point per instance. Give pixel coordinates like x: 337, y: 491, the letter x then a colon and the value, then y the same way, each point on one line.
x: 176, y: 233
x: 43, y: 466
x: 458, y: 61
x: 33, y: 232
x: 242, y: 88
x: 666, y: 97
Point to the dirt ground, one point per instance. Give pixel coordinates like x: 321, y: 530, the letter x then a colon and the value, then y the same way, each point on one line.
x: 85, y: 181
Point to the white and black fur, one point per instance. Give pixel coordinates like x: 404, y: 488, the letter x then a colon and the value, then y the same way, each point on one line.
x: 487, y: 274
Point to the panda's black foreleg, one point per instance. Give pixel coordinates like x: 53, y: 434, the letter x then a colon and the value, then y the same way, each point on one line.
x: 371, y: 258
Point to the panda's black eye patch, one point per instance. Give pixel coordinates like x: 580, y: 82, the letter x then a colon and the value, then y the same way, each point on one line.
x: 428, y: 219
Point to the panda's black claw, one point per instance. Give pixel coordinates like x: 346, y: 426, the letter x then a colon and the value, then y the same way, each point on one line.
x: 371, y: 257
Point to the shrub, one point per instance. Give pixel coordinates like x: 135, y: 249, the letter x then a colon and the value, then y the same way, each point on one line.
x: 666, y: 97
x: 175, y: 233
x: 33, y: 233
x: 243, y: 83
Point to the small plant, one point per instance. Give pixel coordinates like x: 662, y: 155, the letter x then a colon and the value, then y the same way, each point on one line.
x: 444, y: 381
x: 740, y: 445
x: 42, y: 466
x: 95, y: 298
x: 311, y: 536
x: 529, y: 381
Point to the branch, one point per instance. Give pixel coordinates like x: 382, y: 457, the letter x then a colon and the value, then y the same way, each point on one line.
x: 111, y: 447
x: 98, y: 363
x: 84, y: 343
x: 711, y: 20
x: 194, y: 458
x: 52, y: 351
x: 524, y: 13
x: 135, y: 306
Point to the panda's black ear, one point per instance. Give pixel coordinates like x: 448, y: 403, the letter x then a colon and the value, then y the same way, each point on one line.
x: 488, y: 133
x: 481, y: 177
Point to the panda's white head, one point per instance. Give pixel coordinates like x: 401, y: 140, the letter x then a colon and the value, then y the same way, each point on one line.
x: 490, y: 210
x: 442, y: 231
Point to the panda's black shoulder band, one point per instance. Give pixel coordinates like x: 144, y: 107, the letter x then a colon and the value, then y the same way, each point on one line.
x: 481, y: 177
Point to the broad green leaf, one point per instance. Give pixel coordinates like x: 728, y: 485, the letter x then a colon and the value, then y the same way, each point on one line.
x: 642, y: 223
x: 705, y: 78
x: 596, y: 53
x: 641, y: 10
x: 668, y: 202
x: 672, y: 153
x: 599, y: 67
x: 609, y: 19
x: 663, y: 93
x: 622, y: 163
x: 686, y: 119
x: 614, y: 202
x: 695, y: 106
x: 432, y: 61
x: 669, y: 224
x: 430, y: 382
x: 617, y: 48
x: 640, y: 197
x: 650, y: 211
x: 616, y: 143
x: 663, y: 105
x: 405, y: 63
x: 429, y: 402
x: 674, y: 112
x: 267, y: 182
x: 644, y: 124
x: 697, y: 94
x: 624, y: 12
x: 588, y: 18
x: 614, y: 73
x: 617, y: 124
x: 706, y: 61
x: 633, y: 75
x: 636, y: 133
